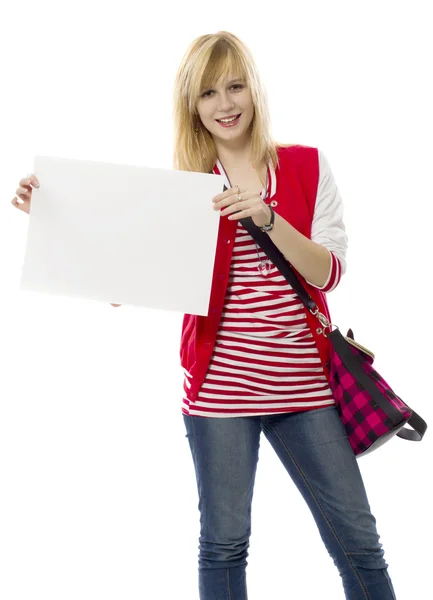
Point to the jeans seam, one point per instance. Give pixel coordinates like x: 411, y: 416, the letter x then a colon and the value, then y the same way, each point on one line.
x: 367, y: 595
x: 388, y: 579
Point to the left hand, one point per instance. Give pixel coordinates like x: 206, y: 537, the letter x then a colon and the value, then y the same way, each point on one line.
x: 250, y: 205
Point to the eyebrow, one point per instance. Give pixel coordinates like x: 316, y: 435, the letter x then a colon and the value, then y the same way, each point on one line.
x: 229, y: 82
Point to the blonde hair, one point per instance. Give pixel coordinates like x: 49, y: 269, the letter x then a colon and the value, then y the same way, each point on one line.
x: 207, y: 59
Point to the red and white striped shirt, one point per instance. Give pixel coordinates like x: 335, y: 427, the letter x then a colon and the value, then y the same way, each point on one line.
x: 265, y: 359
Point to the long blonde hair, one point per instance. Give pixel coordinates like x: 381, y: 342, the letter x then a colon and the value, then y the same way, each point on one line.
x: 207, y: 59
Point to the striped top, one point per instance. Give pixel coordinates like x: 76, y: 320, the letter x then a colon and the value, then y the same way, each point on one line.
x: 265, y: 360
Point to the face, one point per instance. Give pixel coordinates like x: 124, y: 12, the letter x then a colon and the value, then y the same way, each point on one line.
x: 228, y: 98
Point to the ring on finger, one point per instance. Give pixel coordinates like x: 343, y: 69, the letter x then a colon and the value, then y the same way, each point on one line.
x: 239, y: 198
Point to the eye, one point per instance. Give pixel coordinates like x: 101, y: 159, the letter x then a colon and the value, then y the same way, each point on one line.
x: 238, y: 86
x: 207, y: 94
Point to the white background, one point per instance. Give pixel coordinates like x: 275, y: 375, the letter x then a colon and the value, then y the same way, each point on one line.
x: 98, y: 496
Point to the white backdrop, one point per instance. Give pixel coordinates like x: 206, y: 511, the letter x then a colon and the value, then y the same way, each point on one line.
x: 98, y: 496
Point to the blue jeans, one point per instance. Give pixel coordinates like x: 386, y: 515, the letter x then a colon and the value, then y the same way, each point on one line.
x: 314, y: 449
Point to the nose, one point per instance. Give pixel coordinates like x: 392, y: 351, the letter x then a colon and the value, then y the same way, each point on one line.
x: 226, y: 102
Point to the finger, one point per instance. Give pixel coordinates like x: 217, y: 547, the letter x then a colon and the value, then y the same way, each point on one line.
x: 29, y: 180
x: 240, y: 215
x: 23, y: 193
x: 233, y: 199
x: 236, y: 206
x: 17, y: 204
x: 226, y: 194
x: 24, y: 186
x: 242, y: 199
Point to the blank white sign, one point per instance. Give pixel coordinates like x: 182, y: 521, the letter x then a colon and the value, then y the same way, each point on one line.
x: 123, y: 234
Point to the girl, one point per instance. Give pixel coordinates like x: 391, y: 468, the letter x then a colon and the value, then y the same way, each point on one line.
x: 257, y: 363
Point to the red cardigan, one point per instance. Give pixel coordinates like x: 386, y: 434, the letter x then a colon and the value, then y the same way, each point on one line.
x: 297, y: 181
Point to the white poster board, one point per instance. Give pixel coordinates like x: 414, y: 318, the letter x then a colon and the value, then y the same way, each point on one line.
x: 122, y: 234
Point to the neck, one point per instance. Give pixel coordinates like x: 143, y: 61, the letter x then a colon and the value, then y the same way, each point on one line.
x: 235, y: 161
x: 234, y: 156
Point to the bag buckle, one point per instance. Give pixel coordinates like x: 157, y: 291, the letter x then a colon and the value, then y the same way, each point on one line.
x: 323, y: 321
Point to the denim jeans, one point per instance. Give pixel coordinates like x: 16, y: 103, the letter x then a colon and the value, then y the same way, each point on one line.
x: 314, y: 449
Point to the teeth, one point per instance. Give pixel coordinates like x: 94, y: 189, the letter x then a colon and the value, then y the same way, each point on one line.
x: 228, y: 120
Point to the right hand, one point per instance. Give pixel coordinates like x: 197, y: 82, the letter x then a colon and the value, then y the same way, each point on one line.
x: 24, y: 191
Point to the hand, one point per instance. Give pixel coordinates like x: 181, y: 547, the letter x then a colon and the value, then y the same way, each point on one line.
x: 24, y: 191
x: 250, y: 205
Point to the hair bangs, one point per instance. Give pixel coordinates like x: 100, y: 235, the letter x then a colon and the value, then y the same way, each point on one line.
x: 223, y: 61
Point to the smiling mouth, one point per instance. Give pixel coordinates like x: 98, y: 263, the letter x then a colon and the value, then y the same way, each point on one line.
x: 229, y: 120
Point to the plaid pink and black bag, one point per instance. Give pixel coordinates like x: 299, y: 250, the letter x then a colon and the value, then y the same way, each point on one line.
x: 370, y: 410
